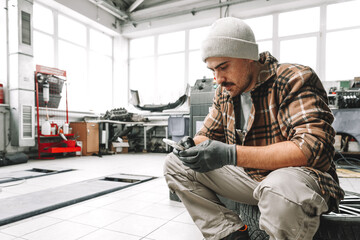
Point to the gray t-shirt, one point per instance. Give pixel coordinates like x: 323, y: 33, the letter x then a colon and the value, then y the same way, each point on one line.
x: 242, y: 108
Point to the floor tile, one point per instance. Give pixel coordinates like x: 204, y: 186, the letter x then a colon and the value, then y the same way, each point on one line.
x: 4, y: 236
x: 31, y: 225
x: 162, y: 211
x: 169, y: 202
x: 23, y: 188
x: 61, y: 231
x: 176, y: 231
x: 70, y: 211
x: 128, y: 206
x: 184, y: 218
x: 124, y: 193
x: 137, y: 225
x: 103, y: 234
x: 99, y: 217
x: 148, y: 197
x: 99, y: 201
x: 5, y: 194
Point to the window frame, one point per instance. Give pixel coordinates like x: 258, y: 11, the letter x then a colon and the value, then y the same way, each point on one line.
x: 56, y: 39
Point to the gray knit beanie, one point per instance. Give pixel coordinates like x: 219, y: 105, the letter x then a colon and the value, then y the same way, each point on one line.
x: 230, y: 37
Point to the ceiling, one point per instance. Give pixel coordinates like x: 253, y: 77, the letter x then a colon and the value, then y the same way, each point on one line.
x: 137, y: 11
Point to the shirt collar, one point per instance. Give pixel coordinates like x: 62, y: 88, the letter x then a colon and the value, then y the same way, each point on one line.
x: 268, y: 70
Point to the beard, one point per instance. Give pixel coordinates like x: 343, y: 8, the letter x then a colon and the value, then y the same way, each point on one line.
x: 235, y: 89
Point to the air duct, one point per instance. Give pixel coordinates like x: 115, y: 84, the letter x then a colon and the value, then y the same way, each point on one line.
x: 21, y: 73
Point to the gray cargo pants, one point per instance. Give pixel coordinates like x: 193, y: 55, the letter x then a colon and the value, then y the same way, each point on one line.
x: 289, y: 199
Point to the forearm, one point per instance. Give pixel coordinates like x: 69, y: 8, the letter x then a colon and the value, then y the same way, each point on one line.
x: 271, y: 157
x: 199, y: 139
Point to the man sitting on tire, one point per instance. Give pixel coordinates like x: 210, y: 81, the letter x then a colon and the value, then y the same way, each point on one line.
x: 267, y: 141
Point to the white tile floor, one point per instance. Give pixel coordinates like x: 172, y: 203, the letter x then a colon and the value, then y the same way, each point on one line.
x: 143, y: 211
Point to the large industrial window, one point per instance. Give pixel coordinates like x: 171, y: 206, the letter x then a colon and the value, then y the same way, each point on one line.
x: 157, y: 67
x: 263, y: 31
x: 142, y: 68
x: 43, y: 19
x: 73, y: 59
x: 197, y: 68
x: 85, y: 53
x: 44, y: 49
x: 170, y: 67
x: 325, y: 38
x: 161, y: 66
x: 300, y: 50
x: 342, y: 41
x: 100, y: 71
x: 72, y: 30
x: 299, y: 32
x: 299, y: 22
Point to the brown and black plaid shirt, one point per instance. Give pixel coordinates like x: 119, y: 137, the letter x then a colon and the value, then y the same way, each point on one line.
x: 289, y: 104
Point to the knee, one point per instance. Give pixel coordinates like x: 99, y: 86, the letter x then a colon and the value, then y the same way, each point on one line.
x: 170, y: 164
x: 287, y: 202
x: 289, y: 185
x: 176, y: 174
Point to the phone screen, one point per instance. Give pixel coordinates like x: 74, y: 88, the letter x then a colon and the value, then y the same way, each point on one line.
x: 173, y: 144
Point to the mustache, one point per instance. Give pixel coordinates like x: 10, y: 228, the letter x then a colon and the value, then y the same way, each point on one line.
x: 226, y: 84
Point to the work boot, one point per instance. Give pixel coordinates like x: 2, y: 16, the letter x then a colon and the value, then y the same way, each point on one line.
x: 241, y: 234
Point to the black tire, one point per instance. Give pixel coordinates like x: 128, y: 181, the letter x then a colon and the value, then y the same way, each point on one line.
x: 343, y: 225
x: 250, y: 215
x: 333, y: 226
x: 338, y: 228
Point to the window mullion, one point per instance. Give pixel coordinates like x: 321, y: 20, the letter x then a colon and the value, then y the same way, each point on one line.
x: 321, y: 59
x: 56, y: 38
x: 186, y: 75
x: 276, y: 41
x: 156, y: 60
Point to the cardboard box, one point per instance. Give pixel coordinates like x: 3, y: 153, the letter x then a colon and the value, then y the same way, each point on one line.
x: 118, y: 147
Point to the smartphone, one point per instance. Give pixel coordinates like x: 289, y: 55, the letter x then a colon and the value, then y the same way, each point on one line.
x: 173, y: 144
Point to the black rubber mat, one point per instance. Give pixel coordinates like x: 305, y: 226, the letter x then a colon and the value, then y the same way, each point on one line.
x: 31, y: 173
x: 23, y: 206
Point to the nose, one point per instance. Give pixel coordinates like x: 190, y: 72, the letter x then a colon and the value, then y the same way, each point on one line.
x: 219, y: 77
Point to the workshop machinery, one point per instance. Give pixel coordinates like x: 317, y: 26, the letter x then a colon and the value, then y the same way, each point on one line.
x: 201, y: 96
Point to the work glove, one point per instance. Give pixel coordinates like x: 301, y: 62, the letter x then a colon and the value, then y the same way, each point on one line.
x: 208, y: 155
x: 187, y: 142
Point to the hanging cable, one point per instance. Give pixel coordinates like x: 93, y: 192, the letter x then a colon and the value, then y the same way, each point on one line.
x: 349, y: 162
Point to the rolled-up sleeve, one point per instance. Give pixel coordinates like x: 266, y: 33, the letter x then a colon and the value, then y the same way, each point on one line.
x: 306, y: 118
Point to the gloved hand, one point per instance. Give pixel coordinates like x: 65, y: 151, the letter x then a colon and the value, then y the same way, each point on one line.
x: 187, y: 142
x: 208, y: 155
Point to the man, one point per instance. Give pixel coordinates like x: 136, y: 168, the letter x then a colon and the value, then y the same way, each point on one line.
x: 281, y: 160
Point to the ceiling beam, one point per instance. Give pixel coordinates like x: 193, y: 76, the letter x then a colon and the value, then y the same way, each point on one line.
x: 110, y: 9
x: 135, y: 5
x: 140, y: 16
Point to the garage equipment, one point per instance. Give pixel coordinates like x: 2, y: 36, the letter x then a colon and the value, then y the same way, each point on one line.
x: 48, y: 85
x: 135, y: 100
x: 201, y: 96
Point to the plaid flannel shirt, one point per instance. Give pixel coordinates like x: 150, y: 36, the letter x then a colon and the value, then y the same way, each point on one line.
x: 289, y: 104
